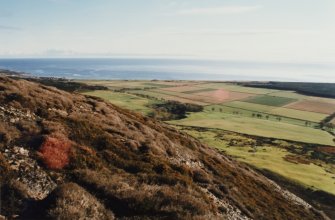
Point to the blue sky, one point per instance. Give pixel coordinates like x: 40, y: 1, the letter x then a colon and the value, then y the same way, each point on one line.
x: 283, y: 31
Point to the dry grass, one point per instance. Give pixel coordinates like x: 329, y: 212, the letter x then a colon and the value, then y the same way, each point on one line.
x: 71, y: 201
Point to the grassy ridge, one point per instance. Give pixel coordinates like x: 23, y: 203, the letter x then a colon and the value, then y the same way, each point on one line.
x: 128, y: 101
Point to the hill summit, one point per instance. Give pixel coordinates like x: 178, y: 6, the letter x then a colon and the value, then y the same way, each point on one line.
x: 70, y: 156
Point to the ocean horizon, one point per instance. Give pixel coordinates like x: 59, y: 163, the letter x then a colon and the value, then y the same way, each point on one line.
x: 169, y: 69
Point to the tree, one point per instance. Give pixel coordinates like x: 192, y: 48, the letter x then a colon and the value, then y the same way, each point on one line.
x: 329, y: 126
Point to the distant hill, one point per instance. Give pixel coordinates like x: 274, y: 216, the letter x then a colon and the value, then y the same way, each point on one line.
x: 315, y: 89
x: 69, y: 156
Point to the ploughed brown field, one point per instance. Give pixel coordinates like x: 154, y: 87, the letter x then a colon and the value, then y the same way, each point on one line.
x: 313, y: 106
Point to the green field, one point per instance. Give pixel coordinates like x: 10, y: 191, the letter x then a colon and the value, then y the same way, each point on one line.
x: 289, y: 94
x: 127, y: 101
x: 303, y: 115
x: 272, y: 158
x: 250, y: 106
x: 258, y: 127
x: 270, y: 116
x: 270, y: 100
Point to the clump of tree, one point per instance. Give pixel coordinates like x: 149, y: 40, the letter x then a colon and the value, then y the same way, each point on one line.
x: 326, y: 123
x: 308, y: 123
x: 258, y: 115
x: 315, y: 89
x: 173, y: 110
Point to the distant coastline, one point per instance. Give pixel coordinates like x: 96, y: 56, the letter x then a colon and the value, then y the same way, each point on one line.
x: 169, y: 69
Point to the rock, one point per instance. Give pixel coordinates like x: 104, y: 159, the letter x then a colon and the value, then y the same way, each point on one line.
x: 31, y: 180
x: 23, y: 151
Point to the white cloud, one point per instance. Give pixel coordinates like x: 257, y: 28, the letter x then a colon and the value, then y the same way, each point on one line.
x: 223, y: 10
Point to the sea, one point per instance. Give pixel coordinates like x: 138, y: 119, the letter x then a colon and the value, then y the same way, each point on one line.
x: 171, y: 69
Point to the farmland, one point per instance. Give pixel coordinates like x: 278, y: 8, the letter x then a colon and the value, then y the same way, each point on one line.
x: 231, y: 112
x: 258, y: 111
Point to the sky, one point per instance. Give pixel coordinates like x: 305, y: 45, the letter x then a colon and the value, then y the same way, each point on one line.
x: 256, y: 30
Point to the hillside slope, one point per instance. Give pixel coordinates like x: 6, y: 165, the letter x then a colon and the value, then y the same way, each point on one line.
x: 69, y: 156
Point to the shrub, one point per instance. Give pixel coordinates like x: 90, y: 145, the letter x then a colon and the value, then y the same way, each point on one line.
x: 55, y: 151
x: 70, y: 201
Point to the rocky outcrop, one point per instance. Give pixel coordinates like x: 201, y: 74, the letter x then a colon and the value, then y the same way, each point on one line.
x: 30, y: 179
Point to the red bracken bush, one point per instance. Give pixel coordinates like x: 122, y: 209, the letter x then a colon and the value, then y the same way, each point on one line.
x: 55, y: 152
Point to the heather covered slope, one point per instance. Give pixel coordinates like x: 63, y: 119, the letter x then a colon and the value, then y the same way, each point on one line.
x: 67, y: 156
